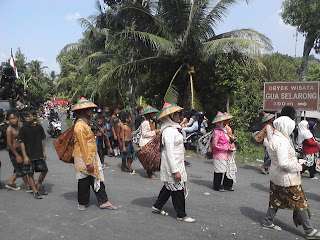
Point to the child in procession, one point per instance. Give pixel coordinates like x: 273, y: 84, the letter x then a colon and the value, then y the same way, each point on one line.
x: 15, y: 152
x: 127, y: 146
x: 31, y: 136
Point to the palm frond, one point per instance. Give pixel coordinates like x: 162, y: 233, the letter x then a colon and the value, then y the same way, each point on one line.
x: 127, y: 68
x: 172, y: 94
x: 99, y: 57
x: 151, y: 22
x: 228, y: 45
x: 219, y: 11
x: 88, y: 26
x: 246, y: 33
x: 156, y: 42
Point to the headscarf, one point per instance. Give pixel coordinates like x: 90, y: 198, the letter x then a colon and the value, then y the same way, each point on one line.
x: 285, y: 125
x: 220, y: 124
x: 303, y: 132
x: 168, y: 122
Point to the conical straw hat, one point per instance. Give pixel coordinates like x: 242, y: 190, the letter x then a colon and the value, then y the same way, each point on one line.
x: 167, y: 109
x: 83, y: 103
x: 149, y: 109
x: 221, y: 117
x: 266, y: 117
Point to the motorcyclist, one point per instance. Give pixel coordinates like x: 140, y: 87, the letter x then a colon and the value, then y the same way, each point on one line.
x: 53, y: 115
x: 202, y: 123
x: 191, y: 126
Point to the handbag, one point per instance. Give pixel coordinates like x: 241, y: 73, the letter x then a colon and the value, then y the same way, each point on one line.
x: 150, y: 154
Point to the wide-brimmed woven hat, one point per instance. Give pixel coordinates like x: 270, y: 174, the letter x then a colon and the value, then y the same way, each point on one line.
x: 228, y: 115
x: 167, y: 109
x: 221, y: 117
x: 83, y: 104
x: 149, y: 109
x: 266, y: 117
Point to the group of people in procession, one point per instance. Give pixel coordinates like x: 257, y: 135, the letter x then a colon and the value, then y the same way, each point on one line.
x: 114, y: 138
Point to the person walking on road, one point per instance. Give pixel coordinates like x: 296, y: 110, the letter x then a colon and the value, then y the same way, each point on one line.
x: 286, y: 191
x: 172, y: 168
x: 223, y: 150
x: 148, y: 131
x: 267, y: 123
x: 310, y: 148
x: 86, y: 160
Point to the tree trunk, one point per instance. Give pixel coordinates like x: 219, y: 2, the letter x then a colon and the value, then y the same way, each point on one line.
x: 228, y: 96
x: 132, y: 99
x: 308, y: 45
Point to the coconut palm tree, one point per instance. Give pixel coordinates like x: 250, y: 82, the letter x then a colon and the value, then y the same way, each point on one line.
x: 181, y: 35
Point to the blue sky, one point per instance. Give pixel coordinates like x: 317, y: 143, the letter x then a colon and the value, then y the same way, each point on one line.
x: 41, y: 28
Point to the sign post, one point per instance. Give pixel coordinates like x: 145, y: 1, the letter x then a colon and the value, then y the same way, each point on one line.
x: 303, y: 96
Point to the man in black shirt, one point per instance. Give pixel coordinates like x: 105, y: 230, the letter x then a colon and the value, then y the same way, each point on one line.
x: 32, y: 137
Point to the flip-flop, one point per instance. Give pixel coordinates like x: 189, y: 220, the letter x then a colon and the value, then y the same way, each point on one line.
x: 81, y: 207
x: 110, y: 207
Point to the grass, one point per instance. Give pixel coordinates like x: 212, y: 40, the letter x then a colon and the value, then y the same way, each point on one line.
x: 247, y: 156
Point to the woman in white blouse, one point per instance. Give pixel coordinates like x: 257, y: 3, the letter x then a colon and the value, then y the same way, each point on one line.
x: 148, y: 130
x: 172, y: 168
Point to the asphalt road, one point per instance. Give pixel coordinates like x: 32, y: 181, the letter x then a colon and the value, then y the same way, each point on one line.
x: 229, y: 215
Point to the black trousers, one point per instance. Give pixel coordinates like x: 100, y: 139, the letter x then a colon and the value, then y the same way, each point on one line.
x: 178, y: 201
x: 312, y: 169
x: 84, y: 191
x: 219, y: 183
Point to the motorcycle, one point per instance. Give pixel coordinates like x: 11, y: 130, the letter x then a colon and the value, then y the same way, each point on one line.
x: 192, y: 141
x: 54, y: 128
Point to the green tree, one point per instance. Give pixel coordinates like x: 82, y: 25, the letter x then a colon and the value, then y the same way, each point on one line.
x: 182, y: 42
x: 305, y: 16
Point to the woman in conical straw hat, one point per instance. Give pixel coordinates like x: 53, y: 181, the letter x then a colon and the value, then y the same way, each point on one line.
x: 223, y: 150
x: 148, y: 130
x: 172, y: 168
x: 267, y: 124
x: 86, y: 160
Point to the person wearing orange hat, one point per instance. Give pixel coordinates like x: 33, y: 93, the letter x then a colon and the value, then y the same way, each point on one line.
x: 223, y: 150
x: 148, y: 131
x: 267, y: 124
x: 172, y: 168
x: 86, y: 160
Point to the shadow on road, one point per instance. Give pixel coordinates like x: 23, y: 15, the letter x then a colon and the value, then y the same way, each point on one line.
x: 313, y: 196
x: 205, y: 183
x: 257, y: 216
x: 249, y: 167
x: 144, y: 202
x: 260, y: 187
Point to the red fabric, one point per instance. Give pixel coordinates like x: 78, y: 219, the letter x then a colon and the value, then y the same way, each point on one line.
x: 310, y: 146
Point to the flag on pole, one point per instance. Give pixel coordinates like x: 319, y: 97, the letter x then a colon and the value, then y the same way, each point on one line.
x: 13, y: 64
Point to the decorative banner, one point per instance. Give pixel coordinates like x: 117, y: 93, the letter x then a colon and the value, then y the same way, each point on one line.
x: 300, y: 95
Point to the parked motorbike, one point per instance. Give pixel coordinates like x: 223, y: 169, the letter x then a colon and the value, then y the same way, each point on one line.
x: 191, y: 141
x: 54, y: 128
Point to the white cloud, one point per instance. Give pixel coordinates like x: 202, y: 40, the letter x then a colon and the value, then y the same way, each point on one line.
x: 72, y: 16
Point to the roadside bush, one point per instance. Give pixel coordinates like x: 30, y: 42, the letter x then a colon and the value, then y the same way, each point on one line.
x: 246, y: 150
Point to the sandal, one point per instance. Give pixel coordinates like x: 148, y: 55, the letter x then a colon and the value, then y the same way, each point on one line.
x: 315, y: 234
x: 159, y: 211
x: 221, y: 190
x: 109, y: 207
x: 81, y: 207
x: 186, y: 219
x: 272, y: 227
